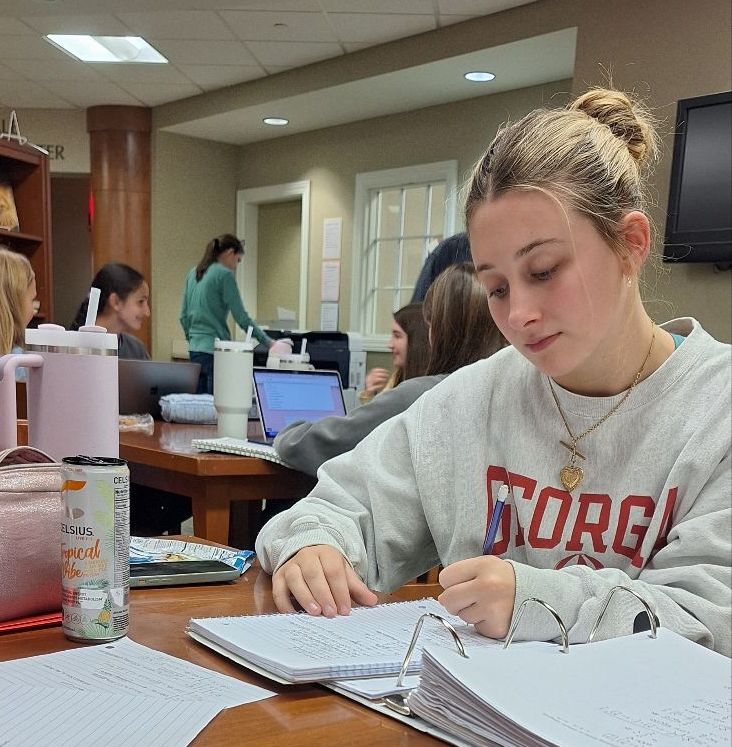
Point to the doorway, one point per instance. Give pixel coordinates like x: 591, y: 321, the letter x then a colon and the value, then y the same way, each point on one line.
x: 276, y: 250
x: 72, y: 248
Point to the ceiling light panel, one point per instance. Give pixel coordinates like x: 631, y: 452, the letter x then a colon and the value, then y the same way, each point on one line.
x: 107, y: 48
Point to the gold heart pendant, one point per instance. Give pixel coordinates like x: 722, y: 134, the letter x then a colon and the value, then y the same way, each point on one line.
x: 571, y: 477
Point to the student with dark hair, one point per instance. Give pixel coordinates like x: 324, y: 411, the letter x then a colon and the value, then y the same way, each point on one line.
x: 461, y: 331
x: 124, y: 304
x: 210, y: 295
x: 409, y: 349
x: 450, y: 251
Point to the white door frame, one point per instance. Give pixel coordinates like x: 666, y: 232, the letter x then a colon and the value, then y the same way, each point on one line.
x: 247, y: 218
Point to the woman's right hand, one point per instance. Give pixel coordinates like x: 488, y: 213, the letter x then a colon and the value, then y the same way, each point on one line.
x: 376, y: 380
x: 321, y: 581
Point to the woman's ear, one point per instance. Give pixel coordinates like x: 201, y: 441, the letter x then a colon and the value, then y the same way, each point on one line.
x: 635, y: 230
x: 114, y: 302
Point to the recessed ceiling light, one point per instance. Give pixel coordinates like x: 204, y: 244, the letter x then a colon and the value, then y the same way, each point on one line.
x: 276, y: 121
x: 479, y: 76
x: 106, y: 48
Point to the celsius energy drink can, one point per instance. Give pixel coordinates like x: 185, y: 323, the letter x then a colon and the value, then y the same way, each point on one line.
x: 95, y: 548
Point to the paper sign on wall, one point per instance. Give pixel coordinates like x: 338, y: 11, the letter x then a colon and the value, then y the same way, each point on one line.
x: 329, y: 317
x: 330, y: 280
x: 332, y: 232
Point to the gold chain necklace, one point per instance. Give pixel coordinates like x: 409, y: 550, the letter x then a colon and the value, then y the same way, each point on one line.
x: 571, y: 475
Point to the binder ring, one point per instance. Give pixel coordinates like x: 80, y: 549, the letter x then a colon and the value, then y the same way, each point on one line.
x: 652, y: 619
x: 551, y: 610
x: 398, y: 702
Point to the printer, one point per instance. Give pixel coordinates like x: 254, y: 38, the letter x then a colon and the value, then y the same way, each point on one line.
x: 332, y: 351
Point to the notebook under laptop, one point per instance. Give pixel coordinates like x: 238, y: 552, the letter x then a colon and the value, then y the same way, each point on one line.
x: 143, y: 383
x: 285, y: 396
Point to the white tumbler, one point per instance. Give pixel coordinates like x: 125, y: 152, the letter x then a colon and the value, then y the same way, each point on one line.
x: 233, y: 362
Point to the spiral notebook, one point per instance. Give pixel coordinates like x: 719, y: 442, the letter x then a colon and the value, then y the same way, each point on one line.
x: 239, y: 446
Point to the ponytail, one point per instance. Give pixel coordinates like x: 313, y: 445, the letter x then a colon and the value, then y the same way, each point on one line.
x: 214, y: 249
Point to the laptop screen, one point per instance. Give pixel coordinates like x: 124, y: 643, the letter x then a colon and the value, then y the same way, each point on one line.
x: 286, y: 396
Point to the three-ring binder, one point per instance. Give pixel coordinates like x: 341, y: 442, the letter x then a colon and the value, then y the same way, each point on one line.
x: 399, y: 704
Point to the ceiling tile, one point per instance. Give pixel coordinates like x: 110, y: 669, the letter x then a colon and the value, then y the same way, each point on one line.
x: 7, y: 74
x: 13, y: 27
x: 139, y: 73
x: 205, y: 52
x: 182, y: 24
x: 94, y: 93
x: 153, y: 95
x: 292, y: 53
x: 423, y: 7
x: 365, y: 27
x: 210, y: 77
x: 24, y: 94
x: 30, y: 48
x: 261, y: 26
x: 103, y: 25
x: 67, y: 69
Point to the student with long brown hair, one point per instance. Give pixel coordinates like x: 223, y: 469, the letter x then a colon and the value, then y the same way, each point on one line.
x: 210, y: 295
x: 461, y: 332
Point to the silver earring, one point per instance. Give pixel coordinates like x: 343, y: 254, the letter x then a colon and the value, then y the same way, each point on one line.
x: 629, y: 281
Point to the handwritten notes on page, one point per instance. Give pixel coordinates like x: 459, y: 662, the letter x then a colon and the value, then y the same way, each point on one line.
x: 634, y: 691
x: 118, y: 693
x: 370, y: 642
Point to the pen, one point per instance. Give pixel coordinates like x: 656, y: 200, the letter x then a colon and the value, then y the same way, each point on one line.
x: 490, y: 536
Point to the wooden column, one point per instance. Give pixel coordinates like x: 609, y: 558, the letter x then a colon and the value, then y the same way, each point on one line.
x: 119, y: 141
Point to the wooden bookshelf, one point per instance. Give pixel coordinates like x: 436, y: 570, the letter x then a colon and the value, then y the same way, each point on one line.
x: 26, y: 169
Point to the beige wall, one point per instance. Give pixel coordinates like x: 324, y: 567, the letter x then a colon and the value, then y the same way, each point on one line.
x: 278, y: 258
x: 193, y: 200
x: 331, y: 158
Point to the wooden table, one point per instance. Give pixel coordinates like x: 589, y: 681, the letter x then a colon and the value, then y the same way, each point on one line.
x: 301, y: 715
x: 167, y: 461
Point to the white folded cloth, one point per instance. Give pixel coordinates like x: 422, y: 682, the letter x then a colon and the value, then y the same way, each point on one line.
x: 188, y: 408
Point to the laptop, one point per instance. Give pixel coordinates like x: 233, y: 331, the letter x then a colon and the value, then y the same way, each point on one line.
x: 284, y: 396
x: 143, y: 383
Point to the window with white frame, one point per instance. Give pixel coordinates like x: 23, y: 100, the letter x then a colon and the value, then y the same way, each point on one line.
x: 400, y: 216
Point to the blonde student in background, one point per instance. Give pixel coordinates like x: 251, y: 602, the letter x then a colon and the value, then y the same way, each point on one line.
x: 410, y: 352
x: 612, y: 433
x: 17, y: 294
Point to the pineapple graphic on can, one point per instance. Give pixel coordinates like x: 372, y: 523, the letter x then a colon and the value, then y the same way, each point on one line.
x: 95, y: 548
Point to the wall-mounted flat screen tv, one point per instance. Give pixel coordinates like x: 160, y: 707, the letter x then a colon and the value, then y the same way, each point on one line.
x: 699, y: 222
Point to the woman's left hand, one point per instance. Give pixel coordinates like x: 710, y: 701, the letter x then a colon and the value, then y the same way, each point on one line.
x: 481, y: 591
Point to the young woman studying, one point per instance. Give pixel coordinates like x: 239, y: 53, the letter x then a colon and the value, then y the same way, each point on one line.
x: 611, y: 433
x: 124, y: 304
x: 17, y: 294
x: 209, y: 296
x: 461, y: 332
x: 410, y: 352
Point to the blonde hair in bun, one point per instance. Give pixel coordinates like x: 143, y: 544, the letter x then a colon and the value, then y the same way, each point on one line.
x: 588, y: 155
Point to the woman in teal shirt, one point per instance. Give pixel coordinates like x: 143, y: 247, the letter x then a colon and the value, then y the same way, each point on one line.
x: 210, y: 294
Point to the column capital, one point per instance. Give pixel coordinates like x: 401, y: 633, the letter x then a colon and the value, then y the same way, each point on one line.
x: 126, y: 118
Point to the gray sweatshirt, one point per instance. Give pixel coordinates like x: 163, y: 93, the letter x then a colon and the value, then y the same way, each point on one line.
x: 305, y: 446
x: 653, y: 512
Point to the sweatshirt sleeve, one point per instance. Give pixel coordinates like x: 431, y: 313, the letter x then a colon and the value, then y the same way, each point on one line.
x: 232, y: 299
x: 688, y: 582
x: 306, y: 446
x: 361, y: 495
